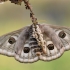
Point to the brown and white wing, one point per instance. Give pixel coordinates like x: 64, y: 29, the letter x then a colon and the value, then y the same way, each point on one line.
x: 57, y: 41
x: 64, y: 34
x: 8, y: 46
x: 7, y: 42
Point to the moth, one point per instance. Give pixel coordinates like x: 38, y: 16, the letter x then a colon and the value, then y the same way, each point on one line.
x: 24, y: 47
x: 21, y: 45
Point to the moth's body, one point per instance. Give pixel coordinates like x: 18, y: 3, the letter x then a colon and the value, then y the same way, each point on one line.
x: 24, y: 47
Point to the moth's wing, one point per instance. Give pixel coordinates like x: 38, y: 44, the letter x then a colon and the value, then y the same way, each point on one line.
x: 18, y: 2
x: 7, y: 42
x: 63, y: 34
x: 28, y: 54
x: 8, y: 45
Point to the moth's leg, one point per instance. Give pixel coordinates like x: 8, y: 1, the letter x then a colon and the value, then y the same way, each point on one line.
x: 21, y: 40
x: 52, y: 35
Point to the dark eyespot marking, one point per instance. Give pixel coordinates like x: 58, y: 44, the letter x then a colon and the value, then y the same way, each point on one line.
x: 26, y: 49
x: 11, y: 40
x: 62, y: 34
x: 50, y: 46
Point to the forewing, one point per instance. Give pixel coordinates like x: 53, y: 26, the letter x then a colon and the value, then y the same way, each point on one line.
x: 64, y: 34
x: 7, y: 42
